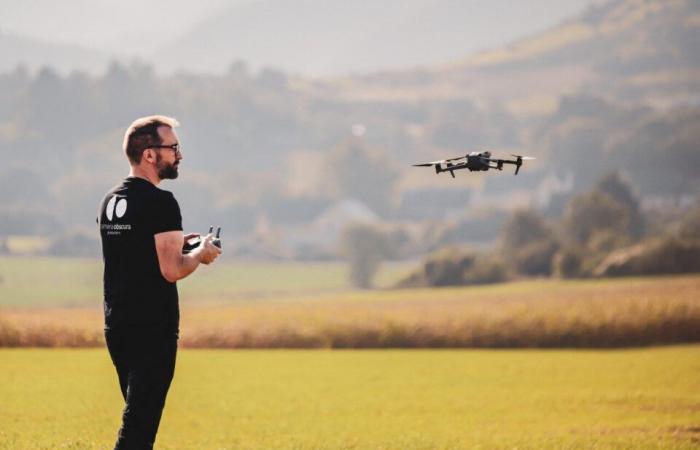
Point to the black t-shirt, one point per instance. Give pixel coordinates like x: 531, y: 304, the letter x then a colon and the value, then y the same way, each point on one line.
x: 135, y: 292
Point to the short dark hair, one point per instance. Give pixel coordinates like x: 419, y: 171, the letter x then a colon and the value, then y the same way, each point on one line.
x: 143, y: 133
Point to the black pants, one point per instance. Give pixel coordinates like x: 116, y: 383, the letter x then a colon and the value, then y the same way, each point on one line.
x: 145, y: 363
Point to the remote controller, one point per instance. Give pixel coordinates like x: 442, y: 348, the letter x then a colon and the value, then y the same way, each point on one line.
x: 195, y: 241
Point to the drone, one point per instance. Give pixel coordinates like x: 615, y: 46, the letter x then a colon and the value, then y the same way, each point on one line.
x: 474, y: 161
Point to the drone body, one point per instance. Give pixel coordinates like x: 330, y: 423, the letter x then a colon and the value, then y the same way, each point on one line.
x: 474, y: 161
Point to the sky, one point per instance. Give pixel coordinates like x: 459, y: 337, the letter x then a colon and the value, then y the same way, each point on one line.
x: 137, y: 28
x: 106, y: 24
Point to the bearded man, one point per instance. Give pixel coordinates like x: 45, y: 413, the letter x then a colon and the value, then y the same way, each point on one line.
x: 142, y: 243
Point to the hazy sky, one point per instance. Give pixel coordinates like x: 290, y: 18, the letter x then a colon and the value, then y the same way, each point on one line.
x: 106, y: 24
x: 128, y: 28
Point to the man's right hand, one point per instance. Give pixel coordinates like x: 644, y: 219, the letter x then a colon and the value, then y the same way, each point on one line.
x: 207, y: 252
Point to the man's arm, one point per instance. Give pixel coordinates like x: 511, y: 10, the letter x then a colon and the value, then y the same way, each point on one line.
x: 176, y: 266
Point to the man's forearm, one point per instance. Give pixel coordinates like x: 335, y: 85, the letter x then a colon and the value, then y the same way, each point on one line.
x: 188, y: 264
x: 173, y: 264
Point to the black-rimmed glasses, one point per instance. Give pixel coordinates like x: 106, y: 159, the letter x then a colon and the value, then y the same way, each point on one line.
x: 174, y: 147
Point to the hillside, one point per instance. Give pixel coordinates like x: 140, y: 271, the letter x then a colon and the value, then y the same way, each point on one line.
x: 628, y: 50
x: 35, y: 53
x: 331, y: 37
x: 273, y: 152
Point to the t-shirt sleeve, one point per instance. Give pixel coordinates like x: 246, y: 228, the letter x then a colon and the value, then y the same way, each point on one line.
x: 166, y: 214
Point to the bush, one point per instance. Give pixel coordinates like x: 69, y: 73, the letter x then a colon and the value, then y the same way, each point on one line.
x: 661, y: 256
x: 568, y: 262
x: 447, y: 267
x: 535, y: 258
x: 486, y: 269
x: 455, y: 267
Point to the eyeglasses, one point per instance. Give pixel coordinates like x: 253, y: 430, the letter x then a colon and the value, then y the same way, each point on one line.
x: 174, y: 147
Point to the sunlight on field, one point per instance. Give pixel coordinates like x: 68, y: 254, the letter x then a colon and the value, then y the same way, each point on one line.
x: 535, y: 313
x: 27, y: 245
x: 642, y: 399
x: 557, y: 38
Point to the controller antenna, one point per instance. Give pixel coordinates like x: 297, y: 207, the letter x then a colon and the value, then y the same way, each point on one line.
x: 217, y: 241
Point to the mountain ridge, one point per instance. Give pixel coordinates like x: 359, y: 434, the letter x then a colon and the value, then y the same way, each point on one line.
x: 627, y: 50
x: 18, y: 50
x: 327, y: 38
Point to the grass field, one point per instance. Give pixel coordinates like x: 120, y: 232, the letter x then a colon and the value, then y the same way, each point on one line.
x: 361, y: 399
x: 534, y: 313
x: 370, y: 399
x: 38, y: 282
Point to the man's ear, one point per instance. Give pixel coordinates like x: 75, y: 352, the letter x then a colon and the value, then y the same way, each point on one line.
x: 149, y: 155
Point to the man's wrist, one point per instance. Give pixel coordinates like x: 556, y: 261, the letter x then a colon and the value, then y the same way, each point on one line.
x: 197, y: 253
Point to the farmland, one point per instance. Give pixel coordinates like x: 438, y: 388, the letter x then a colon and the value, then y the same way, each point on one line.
x: 38, y: 282
x: 382, y: 398
x: 366, y: 399
x: 58, y: 304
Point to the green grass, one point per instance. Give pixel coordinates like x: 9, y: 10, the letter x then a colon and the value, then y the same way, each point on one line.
x: 403, y: 400
x: 30, y: 281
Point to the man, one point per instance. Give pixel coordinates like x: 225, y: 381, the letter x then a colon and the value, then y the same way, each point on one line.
x: 142, y: 241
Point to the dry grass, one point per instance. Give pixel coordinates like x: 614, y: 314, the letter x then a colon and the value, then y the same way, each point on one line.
x: 541, y: 313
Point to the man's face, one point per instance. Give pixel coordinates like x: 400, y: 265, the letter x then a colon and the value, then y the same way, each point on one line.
x: 167, y: 159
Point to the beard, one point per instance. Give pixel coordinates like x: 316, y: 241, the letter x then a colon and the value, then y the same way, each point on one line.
x: 166, y: 170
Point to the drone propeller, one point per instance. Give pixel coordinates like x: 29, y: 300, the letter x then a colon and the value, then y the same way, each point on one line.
x: 432, y: 163
x: 435, y: 163
x: 519, y: 161
x: 523, y: 158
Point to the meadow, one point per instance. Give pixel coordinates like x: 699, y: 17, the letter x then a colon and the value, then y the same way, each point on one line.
x: 366, y: 399
x: 42, y: 281
x: 56, y: 303
x: 380, y: 398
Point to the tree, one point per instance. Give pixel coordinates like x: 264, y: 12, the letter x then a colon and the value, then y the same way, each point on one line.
x: 363, y: 174
x: 524, y: 227
x: 592, y: 212
x: 529, y: 243
x: 690, y: 224
x: 620, y: 190
x: 364, y: 246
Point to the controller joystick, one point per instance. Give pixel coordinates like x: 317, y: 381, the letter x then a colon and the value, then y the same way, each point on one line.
x: 217, y: 239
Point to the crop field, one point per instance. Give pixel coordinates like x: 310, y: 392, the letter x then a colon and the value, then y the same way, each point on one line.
x: 534, y: 313
x: 390, y: 395
x: 366, y: 399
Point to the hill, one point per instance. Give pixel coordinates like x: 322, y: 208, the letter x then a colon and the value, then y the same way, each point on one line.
x: 628, y: 50
x: 331, y: 37
x: 35, y: 53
